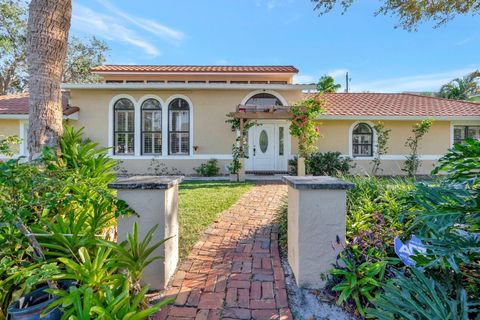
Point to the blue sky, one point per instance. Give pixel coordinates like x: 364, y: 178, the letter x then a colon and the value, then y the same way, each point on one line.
x: 378, y: 57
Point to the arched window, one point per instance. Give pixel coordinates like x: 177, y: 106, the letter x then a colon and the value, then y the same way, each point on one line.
x: 264, y: 100
x: 362, y: 140
x: 151, y: 127
x: 178, y: 127
x: 124, y: 127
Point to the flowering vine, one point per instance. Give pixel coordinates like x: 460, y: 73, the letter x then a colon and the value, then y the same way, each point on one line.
x: 303, y: 123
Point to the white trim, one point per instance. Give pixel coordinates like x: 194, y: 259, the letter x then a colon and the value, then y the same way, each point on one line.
x: 396, y: 157
x: 400, y: 118
x: 350, y: 141
x: 184, y: 157
x: 190, y: 105
x: 185, y: 86
x: 273, y: 93
x: 110, y: 122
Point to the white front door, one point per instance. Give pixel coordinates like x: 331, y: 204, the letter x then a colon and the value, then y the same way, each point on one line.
x: 268, y: 147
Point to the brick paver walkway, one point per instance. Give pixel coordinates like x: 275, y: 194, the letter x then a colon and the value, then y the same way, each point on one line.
x: 234, y: 271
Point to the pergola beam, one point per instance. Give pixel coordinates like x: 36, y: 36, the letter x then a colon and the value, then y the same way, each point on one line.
x: 262, y: 115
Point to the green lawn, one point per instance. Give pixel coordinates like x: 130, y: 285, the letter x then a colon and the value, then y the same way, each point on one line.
x: 200, y: 204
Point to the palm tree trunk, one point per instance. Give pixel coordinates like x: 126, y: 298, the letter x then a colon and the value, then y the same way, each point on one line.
x: 48, y: 27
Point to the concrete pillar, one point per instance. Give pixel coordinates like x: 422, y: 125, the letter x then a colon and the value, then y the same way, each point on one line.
x: 316, y: 220
x: 301, y: 167
x: 155, y: 200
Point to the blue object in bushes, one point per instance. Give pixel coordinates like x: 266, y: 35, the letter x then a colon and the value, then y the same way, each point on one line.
x: 31, y: 306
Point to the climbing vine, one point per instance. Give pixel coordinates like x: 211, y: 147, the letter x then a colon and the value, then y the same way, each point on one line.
x: 303, y: 123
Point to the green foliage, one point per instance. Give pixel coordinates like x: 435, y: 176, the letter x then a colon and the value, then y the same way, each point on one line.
x: 235, y: 125
x: 327, y: 84
x: 381, y: 148
x: 359, y: 282
x: 303, y: 123
x: 412, y: 162
x: 411, y: 13
x: 236, y: 165
x: 461, y: 162
x: 327, y: 164
x: 7, y: 143
x: 81, y: 55
x: 418, y: 297
x: 461, y: 88
x: 208, y: 169
x: 63, y: 200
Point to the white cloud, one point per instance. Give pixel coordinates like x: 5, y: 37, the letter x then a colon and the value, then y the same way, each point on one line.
x: 148, y: 25
x: 304, y: 78
x: 221, y: 62
x: 108, y: 27
x: 272, y: 4
x: 422, y: 82
x: 336, y: 73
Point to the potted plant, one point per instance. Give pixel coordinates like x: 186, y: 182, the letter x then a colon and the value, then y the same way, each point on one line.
x: 236, y: 164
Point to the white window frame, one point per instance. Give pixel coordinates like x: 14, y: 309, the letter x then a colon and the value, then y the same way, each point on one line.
x: 190, y: 123
x: 350, y: 141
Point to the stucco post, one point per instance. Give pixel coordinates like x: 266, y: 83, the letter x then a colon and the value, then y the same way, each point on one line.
x: 316, y: 222
x: 155, y: 200
x: 300, y: 166
x: 241, y: 172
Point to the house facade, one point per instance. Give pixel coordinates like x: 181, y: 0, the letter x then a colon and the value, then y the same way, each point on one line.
x: 176, y: 116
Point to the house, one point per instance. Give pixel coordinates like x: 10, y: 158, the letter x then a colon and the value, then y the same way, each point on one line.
x: 176, y: 114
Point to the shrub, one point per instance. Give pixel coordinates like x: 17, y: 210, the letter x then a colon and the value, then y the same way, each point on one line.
x: 208, y: 169
x: 328, y: 164
x: 323, y: 164
x: 412, y: 163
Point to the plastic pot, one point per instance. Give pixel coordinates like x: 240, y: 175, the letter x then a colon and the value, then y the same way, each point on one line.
x: 32, y: 305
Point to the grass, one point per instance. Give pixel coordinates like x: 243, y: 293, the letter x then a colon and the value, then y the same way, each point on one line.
x: 200, y: 204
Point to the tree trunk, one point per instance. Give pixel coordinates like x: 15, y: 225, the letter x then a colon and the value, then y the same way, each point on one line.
x: 47, y: 40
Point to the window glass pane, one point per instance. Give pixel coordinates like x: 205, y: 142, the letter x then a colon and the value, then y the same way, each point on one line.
x: 157, y: 142
x: 120, y: 120
x: 281, y: 142
x: 474, y: 132
x: 151, y: 104
x: 124, y: 143
x: 264, y: 100
x: 147, y: 143
x: 263, y: 141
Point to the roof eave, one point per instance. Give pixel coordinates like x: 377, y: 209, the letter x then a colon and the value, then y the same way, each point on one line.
x: 185, y: 86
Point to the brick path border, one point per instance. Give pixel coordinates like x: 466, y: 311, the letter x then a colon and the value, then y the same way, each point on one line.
x: 234, y: 270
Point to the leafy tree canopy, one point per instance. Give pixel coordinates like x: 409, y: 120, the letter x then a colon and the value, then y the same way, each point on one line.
x: 82, y: 55
x: 462, y: 88
x: 411, y: 13
x: 327, y: 84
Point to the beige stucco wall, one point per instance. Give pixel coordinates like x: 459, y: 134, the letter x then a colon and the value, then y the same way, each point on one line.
x: 211, y: 134
x: 335, y: 137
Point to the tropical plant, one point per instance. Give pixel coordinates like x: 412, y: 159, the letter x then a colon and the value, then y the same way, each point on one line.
x: 461, y: 162
x: 208, y: 169
x: 327, y: 84
x: 236, y: 126
x: 381, y: 147
x: 328, y: 164
x: 412, y: 162
x: 359, y: 282
x: 461, y: 88
x: 411, y: 12
x: 303, y: 123
x: 418, y: 297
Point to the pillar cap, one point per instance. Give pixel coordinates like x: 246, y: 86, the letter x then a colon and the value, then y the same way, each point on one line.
x: 317, y: 183
x: 146, y: 182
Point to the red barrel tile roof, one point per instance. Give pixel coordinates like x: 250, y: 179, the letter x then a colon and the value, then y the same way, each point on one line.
x: 195, y: 69
x: 397, y: 105
x: 18, y: 104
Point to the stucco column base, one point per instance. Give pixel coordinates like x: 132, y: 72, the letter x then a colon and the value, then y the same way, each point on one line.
x: 301, y: 167
x: 155, y: 200
x: 241, y: 172
x: 316, y: 225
